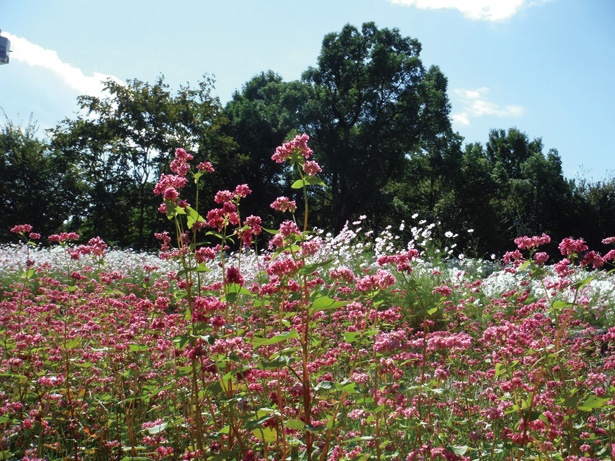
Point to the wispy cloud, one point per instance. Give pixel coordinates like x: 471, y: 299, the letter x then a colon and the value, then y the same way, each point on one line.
x: 34, y: 55
x: 482, y: 10
x: 474, y: 104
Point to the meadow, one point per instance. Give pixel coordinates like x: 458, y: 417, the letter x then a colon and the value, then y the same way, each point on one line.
x: 317, y: 347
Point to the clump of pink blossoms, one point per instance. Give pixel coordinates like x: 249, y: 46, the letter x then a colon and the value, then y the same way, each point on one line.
x: 286, y: 150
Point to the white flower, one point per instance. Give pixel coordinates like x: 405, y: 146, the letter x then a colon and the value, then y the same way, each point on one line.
x: 448, y: 234
x: 470, y: 231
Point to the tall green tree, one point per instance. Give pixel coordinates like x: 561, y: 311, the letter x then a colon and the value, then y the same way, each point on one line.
x: 38, y: 185
x: 262, y: 116
x: 371, y: 105
x: 593, y: 211
x: 123, y: 141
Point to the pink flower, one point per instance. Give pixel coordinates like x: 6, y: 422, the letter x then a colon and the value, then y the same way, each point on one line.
x: 180, y: 164
x: 592, y: 258
x: 233, y: 276
x: 254, y: 222
x: 179, y: 167
x: 170, y: 194
x: 284, y: 204
x: 443, y: 290
x: 204, y: 254
x: 22, y: 229
x: 562, y: 268
x: 166, y: 181
x: 63, y: 237
x: 526, y: 243
x: 297, y: 145
x: 609, y: 256
x: 311, y: 168
x: 541, y: 258
x: 205, y: 166
x: 512, y: 256
x: 569, y: 246
x: 242, y: 191
x: 289, y: 228
x: 223, y: 196
x: 182, y: 155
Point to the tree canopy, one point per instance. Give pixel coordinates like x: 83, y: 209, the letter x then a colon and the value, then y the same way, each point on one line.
x: 371, y: 104
x: 380, y: 127
x: 122, y: 142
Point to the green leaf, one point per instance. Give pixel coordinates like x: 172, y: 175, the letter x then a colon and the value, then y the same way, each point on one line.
x: 559, y: 305
x: 193, y: 217
x: 348, y: 388
x: 524, y: 266
x: 582, y: 283
x: 296, y: 424
x: 236, y: 288
x: 265, y: 434
x: 278, y: 362
x: 351, y: 336
x: 298, y: 184
x: 157, y: 429
x: 499, y: 369
x: 324, y: 386
x: 173, y: 210
x: 459, y: 450
x: 73, y: 343
x: 257, y: 342
x: 326, y: 303
x: 314, y: 181
x: 593, y: 402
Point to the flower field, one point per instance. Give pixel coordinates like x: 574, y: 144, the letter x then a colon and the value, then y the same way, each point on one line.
x: 321, y: 347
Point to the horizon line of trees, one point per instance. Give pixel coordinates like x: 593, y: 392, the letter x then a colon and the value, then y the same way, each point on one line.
x: 379, y: 124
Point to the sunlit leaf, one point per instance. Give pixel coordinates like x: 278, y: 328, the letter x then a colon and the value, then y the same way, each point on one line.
x: 325, y: 303
x: 257, y: 342
x: 593, y: 402
x: 193, y: 217
x: 158, y: 428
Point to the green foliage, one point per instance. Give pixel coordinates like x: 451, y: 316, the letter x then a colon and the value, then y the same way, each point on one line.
x: 38, y: 184
x: 261, y: 117
x: 122, y: 141
x: 371, y: 102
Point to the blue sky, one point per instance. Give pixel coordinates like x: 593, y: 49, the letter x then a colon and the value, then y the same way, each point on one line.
x: 546, y: 67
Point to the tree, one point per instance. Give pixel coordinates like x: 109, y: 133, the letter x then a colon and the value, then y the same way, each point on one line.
x: 371, y: 105
x: 262, y: 117
x: 124, y: 140
x: 593, y: 211
x: 38, y: 185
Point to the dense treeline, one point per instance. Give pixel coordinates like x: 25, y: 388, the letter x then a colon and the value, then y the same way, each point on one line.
x: 379, y: 123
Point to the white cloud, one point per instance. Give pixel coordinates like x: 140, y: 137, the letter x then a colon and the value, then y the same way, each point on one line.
x: 34, y: 55
x: 482, y: 10
x: 474, y: 104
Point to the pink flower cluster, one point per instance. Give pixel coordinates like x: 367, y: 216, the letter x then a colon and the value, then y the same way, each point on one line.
x: 402, y: 260
x: 63, y: 237
x: 311, y: 168
x: 24, y: 229
x: 569, y: 246
x: 297, y: 145
x: 96, y: 246
x: 284, y: 204
x: 168, y: 186
x: 528, y: 243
